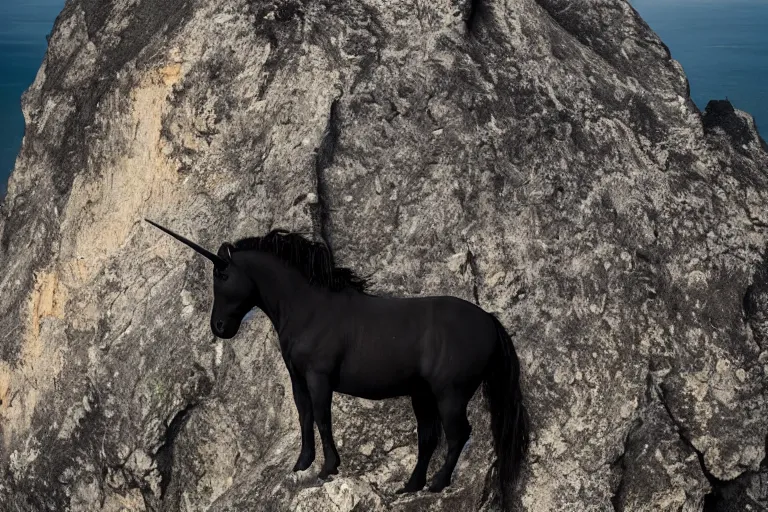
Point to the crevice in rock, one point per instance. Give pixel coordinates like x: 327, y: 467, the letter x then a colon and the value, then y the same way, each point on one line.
x: 470, y: 263
x: 323, y: 160
x: 616, y: 499
x: 489, y: 496
x: 268, y: 69
x: 132, y: 482
x: 748, y: 491
x: 474, y: 14
x: 715, y: 483
x: 280, y: 25
x: 620, y: 465
x: 164, y: 454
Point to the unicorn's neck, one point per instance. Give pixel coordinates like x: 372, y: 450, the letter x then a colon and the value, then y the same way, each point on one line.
x: 279, y: 286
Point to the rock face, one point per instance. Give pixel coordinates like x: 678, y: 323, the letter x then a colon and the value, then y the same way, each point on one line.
x: 541, y: 158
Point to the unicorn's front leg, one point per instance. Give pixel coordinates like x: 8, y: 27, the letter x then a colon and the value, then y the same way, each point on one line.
x: 321, y: 393
x: 306, y: 421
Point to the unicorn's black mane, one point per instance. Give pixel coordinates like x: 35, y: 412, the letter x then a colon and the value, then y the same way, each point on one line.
x: 313, y: 259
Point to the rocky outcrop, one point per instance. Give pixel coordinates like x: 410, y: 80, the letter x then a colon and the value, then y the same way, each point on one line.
x: 543, y: 159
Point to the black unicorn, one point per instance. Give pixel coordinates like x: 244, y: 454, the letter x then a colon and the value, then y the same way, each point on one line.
x: 334, y: 336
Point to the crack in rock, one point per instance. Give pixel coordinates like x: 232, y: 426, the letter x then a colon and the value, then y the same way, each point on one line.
x: 164, y: 454
x: 474, y: 14
x: 323, y: 160
x: 622, y: 468
x: 470, y: 263
x: 620, y: 464
x: 714, y: 482
x: 748, y: 491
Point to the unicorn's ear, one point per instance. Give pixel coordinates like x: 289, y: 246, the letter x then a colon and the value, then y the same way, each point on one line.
x: 225, y: 251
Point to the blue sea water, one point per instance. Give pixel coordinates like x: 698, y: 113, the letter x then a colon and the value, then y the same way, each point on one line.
x: 23, y: 27
x: 723, y: 46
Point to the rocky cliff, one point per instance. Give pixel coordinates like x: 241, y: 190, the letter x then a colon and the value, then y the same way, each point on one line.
x: 542, y: 158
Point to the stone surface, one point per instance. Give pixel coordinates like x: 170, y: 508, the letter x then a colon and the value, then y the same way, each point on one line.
x: 542, y: 158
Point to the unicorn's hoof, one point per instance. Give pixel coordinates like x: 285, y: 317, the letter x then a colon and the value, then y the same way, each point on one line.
x: 303, y: 463
x: 409, y: 488
x: 438, y: 486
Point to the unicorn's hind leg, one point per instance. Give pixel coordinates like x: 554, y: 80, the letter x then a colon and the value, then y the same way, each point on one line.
x: 453, y: 412
x: 428, y: 427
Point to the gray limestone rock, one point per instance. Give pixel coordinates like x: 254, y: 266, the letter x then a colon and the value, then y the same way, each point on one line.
x: 543, y: 159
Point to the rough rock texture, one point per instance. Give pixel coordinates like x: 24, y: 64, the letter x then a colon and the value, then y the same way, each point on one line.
x: 542, y: 158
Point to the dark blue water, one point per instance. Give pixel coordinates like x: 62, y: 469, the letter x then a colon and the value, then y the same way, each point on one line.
x: 723, y: 46
x: 23, y: 27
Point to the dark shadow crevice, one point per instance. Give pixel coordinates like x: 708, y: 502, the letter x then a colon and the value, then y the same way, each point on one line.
x: 164, y: 454
x: 324, y: 158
